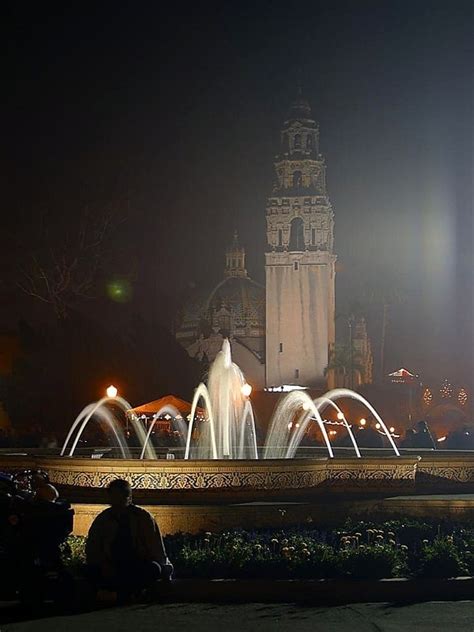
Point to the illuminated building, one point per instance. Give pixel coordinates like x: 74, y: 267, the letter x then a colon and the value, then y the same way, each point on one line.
x: 281, y: 334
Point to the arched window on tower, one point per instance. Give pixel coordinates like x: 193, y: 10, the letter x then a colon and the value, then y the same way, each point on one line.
x: 297, y: 141
x: 297, y: 179
x: 309, y: 142
x: 296, y: 235
x: 280, y: 237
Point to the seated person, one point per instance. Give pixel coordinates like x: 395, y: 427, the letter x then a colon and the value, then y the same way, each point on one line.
x: 124, y: 550
x: 45, y: 522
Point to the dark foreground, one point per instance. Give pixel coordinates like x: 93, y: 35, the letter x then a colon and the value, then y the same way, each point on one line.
x: 430, y: 616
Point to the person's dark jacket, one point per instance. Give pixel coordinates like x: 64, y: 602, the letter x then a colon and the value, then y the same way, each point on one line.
x: 147, y: 542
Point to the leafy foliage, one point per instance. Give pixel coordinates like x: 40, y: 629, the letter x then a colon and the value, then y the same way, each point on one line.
x: 73, y: 552
x: 441, y: 558
x: 360, y: 550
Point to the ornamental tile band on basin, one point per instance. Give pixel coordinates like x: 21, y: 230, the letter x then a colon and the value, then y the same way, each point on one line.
x: 233, y: 475
x: 236, y: 478
x: 431, y: 472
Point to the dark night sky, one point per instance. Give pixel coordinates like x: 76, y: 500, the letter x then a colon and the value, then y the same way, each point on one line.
x: 180, y: 112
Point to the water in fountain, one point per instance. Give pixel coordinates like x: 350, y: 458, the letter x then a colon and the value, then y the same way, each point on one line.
x: 178, y: 425
x: 99, y: 411
x: 226, y: 430
x: 297, y: 410
x: 289, y: 425
x: 229, y: 429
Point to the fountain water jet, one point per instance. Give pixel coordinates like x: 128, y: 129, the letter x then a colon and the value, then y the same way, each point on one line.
x: 276, y: 443
x: 323, y: 401
x: 338, y: 393
x: 174, y: 415
x: 228, y: 431
x: 228, y: 410
x: 320, y: 403
x: 201, y: 393
x: 99, y: 409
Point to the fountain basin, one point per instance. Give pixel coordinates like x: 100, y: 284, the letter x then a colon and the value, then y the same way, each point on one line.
x: 221, y: 481
x: 190, y: 496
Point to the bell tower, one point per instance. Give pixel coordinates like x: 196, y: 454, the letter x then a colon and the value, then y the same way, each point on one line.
x: 299, y: 261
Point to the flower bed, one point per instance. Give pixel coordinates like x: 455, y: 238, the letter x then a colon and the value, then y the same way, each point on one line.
x: 357, y: 550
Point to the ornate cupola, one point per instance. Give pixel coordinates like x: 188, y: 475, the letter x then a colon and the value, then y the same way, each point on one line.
x: 235, y: 259
x: 299, y: 167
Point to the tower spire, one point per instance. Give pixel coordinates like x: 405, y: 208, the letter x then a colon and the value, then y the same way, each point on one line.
x: 299, y: 84
x: 299, y: 107
x: 235, y: 259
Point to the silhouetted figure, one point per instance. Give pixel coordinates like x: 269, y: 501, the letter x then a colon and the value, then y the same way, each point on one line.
x: 369, y: 437
x: 409, y: 439
x: 461, y: 439
x: 423, y: 437
x: 125, y: 551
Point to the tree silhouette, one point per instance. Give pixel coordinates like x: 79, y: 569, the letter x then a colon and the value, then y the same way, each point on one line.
x: 344, y: 360
x: 384, y: 297
x: 64, y: 260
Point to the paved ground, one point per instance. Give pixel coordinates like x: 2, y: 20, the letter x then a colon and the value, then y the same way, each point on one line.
x: 431, y: 616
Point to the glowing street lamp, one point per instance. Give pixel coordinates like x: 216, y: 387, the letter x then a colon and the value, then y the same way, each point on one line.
x: 246, y: 389
x: 362, y: 422
x: 112, y: 392
x: 340, y: 415
x: 392, y: 429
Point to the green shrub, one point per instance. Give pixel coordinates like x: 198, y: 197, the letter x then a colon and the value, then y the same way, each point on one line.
x: 73, y: 552
x: 312, y: 561
x: 409, y: 531
x: 241, y: 556
x: 361, y: 550
x: 371, y: 562
x: 441, y: 558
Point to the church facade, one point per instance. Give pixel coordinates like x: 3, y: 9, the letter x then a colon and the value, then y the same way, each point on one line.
x: 282, y: 333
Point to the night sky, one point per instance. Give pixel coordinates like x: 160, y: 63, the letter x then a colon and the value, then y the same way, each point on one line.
x: 178, y: 113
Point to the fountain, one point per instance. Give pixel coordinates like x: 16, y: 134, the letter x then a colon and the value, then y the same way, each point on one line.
x: 229, y: 430
x: 219, y: 463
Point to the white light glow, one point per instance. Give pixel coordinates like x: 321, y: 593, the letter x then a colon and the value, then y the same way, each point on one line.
x: 246, y: 389
x: 112, y: 391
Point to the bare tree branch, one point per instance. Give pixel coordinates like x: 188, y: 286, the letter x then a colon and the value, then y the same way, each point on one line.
x: 64, y: 266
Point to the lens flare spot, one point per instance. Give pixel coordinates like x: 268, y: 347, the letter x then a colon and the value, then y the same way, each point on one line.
x: 119, y: 290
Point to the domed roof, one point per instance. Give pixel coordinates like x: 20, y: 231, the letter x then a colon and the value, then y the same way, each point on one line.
x: 235, y: 307
x: 241, y: 296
